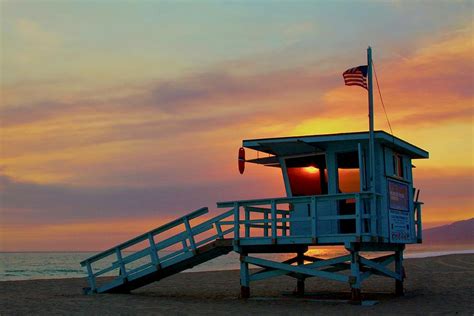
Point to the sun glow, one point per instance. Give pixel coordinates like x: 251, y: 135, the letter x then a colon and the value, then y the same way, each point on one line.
x: 311, y: 169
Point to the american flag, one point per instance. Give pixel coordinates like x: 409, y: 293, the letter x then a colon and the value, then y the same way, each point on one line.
x: 356, y: 76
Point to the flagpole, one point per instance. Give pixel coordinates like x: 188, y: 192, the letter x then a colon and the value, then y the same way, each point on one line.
x: 371, y: 120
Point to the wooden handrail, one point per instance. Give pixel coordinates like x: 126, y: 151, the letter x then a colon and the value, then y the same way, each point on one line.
x: 297, y: 199
x: 153, y: 248
x: 145, y: 236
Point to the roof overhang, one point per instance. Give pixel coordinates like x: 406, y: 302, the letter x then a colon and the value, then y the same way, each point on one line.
x: 295, y: 145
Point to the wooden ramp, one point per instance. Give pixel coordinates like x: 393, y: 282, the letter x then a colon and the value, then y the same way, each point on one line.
x: 203, y: 254
x: 124, y: 270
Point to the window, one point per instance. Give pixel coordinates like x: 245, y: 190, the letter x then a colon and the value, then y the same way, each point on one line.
x: 397, y: 165
x: 348, y: 172
x: 348, y: 176
x: 307, y: 175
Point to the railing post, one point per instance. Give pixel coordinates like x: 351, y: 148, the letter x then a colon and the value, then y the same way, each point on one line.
x: 313, y: 218
x: 190, y: 234
x: 185, y: 245
x: 247, y: 217
x: 153, y: 253
x: 265, y: 225
x: 91, y: 277
x: 274, y: 221
x: 123, y: 272
x: 358, y: 217
x: 419, y: 231
x: 374, y: 199
x: 236, y: 221
x: 284, y: 223
x: 219, y: 230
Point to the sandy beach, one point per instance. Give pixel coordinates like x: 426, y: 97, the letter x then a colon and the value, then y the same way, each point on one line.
x: 438, y: 285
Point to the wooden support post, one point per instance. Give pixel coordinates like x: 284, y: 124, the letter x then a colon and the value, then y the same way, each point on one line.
x: 265, y: 225
x: 313, y: 218
x: 122, y: 271
x: 300, y: 281
x: 192, y: 243
x: 153, y: 251
x: 399, y: 271
x: 374, y: 202
x: 247, y: 225
x: 358, y: 221
x: 244, y: 277
x: 185, y: 245
x: 236, y: 221
x: 284, y: 223
x: 91, y: 277
x: 419, y: 228
x: 274, y: 222
x: 219, y: 230
x: 355, y: 277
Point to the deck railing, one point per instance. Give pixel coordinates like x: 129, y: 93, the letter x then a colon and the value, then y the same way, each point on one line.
x: 273, y: 221
x: 119, y: 258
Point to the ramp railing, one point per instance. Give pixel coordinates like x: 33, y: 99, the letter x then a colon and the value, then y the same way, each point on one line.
x: 126, y: 264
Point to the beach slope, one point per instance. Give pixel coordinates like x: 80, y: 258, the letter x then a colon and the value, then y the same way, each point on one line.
x: 438, y: 285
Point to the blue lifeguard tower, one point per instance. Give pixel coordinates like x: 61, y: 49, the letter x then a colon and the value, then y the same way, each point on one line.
x: 351, y: 189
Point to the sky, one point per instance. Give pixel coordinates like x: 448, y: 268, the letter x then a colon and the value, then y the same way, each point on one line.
x: 117, y: 116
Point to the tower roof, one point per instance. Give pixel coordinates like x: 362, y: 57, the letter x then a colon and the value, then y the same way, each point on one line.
x: 296, y: 145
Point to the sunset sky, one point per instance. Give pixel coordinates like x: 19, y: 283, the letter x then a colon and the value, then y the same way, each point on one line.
x: 119, y: 115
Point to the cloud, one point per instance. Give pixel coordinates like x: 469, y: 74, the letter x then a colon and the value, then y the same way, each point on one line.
x: 31, y: 203
x: 430, y: 86
x: 197, y: 92
x: 447, y: 193
x: 52, y: 140
x: 31, y: 32
x: 62, y: 135
x: 30, y: 44
x: 440, y: 116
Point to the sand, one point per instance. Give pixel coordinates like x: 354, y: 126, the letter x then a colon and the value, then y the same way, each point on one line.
x: 438, y: 285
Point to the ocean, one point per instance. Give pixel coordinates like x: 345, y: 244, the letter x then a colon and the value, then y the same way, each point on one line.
x: 50, y: 265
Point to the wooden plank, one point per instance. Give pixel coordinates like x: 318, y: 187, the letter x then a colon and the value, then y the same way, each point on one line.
x: 136, y: 255
x: 263, y: 210
x: 91, y: 277
x: 381, y: 268
x: 274, y: 220
x: 313, y: 217
x: 112, y: 267
x: 153, y: 251
x: 298, y: 199
x: 144, y: 272
x: 190, y: 234
x: 123, y: 271
x: 133, y: 273
x: 236, y: 221
x: 358, y: 220
x: 296, y: 269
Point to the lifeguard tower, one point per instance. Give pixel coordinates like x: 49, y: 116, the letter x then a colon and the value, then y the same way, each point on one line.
x: 352, y: 189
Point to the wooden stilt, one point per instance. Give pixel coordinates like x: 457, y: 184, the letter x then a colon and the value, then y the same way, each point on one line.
x: 300, y: 287
x: 356, y: 296
x: 244, y: 277
x: 300, y: 281
x: 244, y: 291
x: 355, y: 282
x: 399, y: 271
